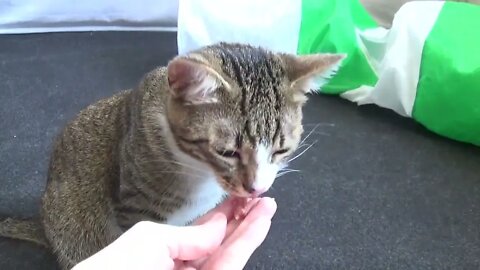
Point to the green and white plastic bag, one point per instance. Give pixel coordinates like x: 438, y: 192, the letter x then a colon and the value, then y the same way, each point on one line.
x: 426, y: 66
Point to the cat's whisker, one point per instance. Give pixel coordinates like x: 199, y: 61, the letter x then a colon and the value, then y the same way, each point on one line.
x: 303, y: 152
x: 288, y: 170
x: 284, y: 173
x: 310, y: 133
x: 302, y: 145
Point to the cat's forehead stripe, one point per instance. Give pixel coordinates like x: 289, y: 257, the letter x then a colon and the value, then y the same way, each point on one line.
x: 258, y: 75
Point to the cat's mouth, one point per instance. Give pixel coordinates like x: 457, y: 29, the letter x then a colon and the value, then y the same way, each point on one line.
x: 245, y: 194
x: 239, y: 191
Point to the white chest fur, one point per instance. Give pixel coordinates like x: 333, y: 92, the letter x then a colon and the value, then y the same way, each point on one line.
x: 204, y: 191
x: 205, y: 194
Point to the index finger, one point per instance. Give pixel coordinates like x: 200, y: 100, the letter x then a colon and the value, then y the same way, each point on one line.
x: 235, y: 252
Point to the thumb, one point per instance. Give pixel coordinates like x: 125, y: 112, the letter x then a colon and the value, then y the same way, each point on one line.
x: 194, y: 242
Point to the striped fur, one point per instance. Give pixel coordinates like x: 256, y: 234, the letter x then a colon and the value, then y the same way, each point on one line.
x: 219, y: 121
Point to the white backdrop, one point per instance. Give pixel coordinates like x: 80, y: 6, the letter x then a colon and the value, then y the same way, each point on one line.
x: 30, y: 16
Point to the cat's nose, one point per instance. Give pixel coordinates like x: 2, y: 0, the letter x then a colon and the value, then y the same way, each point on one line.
x: 252, y: 191
x: 249, y: 188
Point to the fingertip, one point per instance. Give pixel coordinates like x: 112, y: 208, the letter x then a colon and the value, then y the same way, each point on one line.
x: 269, y: 206
x: 271, y: 203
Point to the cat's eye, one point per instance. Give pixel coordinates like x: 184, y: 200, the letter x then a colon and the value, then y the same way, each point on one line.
x: 281, y: 151
x: 228, y: 153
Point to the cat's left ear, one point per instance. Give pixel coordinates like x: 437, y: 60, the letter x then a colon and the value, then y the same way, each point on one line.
x: 193, y: 81
x: 308, y: 73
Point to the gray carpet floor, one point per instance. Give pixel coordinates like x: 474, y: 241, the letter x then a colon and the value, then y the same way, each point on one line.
x: 376, y: 191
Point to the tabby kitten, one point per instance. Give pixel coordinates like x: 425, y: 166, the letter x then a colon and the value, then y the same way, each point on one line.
x: 219, y: 121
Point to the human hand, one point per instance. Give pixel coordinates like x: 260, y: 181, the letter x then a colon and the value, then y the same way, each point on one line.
x: 215, y: 241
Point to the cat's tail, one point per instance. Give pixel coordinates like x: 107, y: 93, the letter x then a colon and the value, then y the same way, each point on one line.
x: 27, y: 230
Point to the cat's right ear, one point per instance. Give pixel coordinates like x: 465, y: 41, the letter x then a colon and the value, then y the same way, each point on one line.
x: 192, y: 81
x: 308, y: 73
